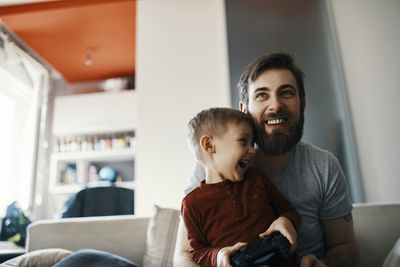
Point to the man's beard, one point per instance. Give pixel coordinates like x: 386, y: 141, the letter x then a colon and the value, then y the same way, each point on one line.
x: 279, y: 142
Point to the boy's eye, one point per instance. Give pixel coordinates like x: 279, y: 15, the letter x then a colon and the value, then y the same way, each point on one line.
x: 243, y: 141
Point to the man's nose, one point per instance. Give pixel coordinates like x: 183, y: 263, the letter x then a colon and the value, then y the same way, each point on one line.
x: 274, y: 103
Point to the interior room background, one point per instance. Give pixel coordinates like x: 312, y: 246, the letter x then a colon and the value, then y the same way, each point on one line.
x: 189, y: 56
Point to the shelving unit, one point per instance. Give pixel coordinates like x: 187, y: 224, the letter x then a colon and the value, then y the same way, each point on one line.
x: 98, y: 118
x: 121, y: 159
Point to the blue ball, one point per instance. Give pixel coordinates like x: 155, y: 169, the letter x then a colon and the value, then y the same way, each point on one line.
x: 107, y: 173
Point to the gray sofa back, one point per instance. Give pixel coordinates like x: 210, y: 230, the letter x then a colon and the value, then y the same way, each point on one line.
x: 377, y: 228
x: 123, y: 235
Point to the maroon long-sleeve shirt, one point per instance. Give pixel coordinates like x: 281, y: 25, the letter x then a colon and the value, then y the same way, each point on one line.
x: 222, y: 214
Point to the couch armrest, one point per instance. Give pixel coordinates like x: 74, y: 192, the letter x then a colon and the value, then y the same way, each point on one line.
x: 123, y: 235
x: 376, y: 227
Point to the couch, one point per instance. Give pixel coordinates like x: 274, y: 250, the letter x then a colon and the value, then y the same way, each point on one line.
x: 151, y: 241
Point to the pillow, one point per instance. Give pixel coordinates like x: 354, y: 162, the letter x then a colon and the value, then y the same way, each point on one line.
x: 94, y: 258
x: 393, y: 259
x: 43, y: 258
x: 161, y: 238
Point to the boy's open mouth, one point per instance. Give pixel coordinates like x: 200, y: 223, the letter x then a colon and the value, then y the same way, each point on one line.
x: 243, y: 164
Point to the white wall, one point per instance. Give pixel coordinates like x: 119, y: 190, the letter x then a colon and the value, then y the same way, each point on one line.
x: 369, y: 40
x: 181, y: 68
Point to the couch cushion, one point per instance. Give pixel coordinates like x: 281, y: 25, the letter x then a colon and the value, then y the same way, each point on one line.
x: 43, y: 258
x: 161, y: 238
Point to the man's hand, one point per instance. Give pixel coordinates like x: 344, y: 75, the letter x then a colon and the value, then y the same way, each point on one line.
x: 310, y: 260
x: 286, y: 228
x: 224, y: 253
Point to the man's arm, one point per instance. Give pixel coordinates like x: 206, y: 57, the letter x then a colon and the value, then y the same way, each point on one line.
x: 181, y: 255
x: 341, y: 245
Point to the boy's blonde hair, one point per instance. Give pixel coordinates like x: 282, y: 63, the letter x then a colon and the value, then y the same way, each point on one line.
x: 213, y: 122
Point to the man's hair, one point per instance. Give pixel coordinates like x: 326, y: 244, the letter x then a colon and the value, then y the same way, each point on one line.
x: 269, y: 62
x: 214, y: 121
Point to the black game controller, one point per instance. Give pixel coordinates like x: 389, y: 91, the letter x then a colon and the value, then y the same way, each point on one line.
x: 268, y: 252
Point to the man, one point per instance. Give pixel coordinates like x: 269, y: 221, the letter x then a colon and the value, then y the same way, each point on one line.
x: 271, y: 89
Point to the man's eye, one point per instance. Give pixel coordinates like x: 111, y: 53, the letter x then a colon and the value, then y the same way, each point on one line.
x: 261, y: 96
x: 287, y: 93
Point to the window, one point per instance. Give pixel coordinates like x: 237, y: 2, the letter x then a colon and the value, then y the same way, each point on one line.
x: 22, y: 81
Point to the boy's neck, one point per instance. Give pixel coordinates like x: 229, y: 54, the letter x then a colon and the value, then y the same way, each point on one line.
x: 272, y: 166
x: 211, y: 177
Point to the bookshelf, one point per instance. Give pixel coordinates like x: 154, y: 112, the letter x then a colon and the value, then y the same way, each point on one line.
x: 72, y: 171
x: 93, y: 133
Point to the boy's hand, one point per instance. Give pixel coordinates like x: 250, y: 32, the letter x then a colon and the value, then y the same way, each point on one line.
x: 286, y: 228
x: 224, y: 253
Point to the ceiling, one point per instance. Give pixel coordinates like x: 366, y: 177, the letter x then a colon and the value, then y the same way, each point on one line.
x: 84, y: 41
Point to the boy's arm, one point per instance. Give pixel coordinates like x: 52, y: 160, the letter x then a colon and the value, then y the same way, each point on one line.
x: 182, y: 257
x: 284, y: 226
x: 288, y: 220
x: 200, y: 249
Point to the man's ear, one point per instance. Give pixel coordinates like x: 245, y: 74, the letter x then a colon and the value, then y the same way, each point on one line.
x: 242, y: 107
x: 207, y: 143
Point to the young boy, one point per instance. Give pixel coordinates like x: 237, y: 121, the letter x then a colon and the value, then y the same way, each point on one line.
x: 235, y: 203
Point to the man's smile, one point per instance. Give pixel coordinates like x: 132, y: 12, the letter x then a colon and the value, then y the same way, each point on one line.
x: 276, y: 121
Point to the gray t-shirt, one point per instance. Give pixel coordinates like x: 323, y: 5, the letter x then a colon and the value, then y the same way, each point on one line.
x: 314, y: 183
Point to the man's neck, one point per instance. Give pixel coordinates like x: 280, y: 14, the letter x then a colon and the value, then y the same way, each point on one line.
x: 272, y: 166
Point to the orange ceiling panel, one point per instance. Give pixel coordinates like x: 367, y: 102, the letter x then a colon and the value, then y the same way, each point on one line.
x: 68, y: 33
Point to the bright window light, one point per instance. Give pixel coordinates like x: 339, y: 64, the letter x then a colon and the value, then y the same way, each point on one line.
x: 7, y: 118
x: 21, y: 84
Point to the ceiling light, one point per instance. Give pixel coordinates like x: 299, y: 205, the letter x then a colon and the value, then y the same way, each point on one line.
x: 88, y: 60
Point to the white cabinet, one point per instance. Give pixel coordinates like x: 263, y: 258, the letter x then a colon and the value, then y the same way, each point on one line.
x: 95, y: 113
x: 92, y: 132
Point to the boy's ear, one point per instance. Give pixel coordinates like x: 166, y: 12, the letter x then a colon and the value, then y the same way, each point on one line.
x: 207, y: 143
x: 242, y: 107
